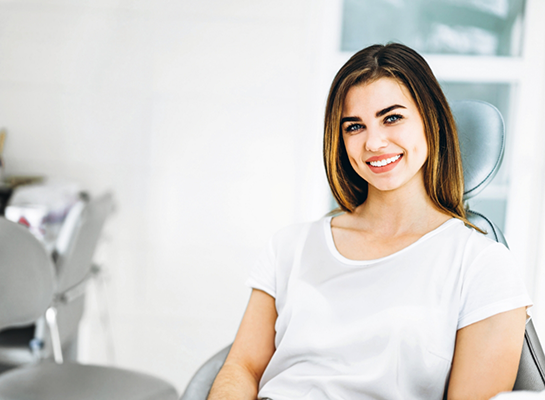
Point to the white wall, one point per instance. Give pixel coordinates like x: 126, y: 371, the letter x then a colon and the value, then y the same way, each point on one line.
x: 204, y: 118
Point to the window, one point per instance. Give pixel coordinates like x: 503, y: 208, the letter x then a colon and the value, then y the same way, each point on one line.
x: 477, y: 27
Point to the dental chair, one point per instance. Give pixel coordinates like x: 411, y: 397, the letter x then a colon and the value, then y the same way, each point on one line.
x: 29, y: 288
x: 482, y: 142
x: 73, y: 261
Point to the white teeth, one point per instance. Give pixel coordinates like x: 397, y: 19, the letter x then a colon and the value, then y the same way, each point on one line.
x: 384, y: 162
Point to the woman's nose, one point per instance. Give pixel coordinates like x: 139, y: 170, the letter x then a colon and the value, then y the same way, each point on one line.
x: 375, y: 140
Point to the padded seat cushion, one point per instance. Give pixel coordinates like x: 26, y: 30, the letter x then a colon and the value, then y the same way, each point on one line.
x: 50, y: 381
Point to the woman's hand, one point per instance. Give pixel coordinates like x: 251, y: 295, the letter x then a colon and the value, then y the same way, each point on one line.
x: 251, y: 351
x: 487, y: 356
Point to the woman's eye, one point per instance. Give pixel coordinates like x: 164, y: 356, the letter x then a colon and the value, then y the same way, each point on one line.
x: 393, y: 118
x: 353, y: 128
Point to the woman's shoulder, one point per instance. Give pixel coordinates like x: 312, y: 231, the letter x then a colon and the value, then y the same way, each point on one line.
x: 476, y: 238
x: 478, y: 246
x: 470, y: 245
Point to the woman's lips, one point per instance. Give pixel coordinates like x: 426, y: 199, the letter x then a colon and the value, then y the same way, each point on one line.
x: 383, y: 163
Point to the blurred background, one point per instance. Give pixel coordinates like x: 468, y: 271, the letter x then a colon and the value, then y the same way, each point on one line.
x: 204, y: 118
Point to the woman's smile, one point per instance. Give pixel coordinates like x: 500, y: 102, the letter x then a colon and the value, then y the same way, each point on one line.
x: 384, y: 163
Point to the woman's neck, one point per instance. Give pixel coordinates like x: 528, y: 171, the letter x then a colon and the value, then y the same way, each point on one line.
x: 398, y: 212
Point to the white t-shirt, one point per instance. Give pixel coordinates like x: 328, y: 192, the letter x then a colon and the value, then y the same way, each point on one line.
x: 377, y: 329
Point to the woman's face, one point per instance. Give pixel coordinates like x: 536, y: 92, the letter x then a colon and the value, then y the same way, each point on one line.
x: 384, y: 135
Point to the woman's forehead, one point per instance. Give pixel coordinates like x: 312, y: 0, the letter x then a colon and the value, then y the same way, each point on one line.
x: 376, y: 95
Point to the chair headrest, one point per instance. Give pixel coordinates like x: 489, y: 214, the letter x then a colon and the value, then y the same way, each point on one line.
x: 482, y: 142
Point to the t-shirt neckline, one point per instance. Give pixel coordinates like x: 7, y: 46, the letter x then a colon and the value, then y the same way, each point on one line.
x: 333, y: 249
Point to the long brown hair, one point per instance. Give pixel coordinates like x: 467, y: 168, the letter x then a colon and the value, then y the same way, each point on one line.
x: 443, y: 174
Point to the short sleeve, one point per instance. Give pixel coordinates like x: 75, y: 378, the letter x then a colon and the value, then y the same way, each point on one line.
x: 491, y: 284
x: 262, y: 273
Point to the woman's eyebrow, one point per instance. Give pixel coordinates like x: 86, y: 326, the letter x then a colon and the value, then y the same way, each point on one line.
x: 388, y: 109
x: 378, y: 114
x: 350, y: 119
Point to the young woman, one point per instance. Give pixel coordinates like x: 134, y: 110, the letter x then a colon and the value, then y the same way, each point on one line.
x: 399, y: 294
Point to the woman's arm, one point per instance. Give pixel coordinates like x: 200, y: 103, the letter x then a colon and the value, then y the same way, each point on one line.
x: 487, y: 356
x: 251, y: 351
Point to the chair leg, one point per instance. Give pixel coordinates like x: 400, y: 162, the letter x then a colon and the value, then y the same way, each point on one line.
x: 51, y: 319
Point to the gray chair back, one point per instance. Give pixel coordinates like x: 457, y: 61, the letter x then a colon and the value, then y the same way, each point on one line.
x: 74, y: 266
x: 202, y: 381
x: 28, y: 277
x: 481, y: 135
